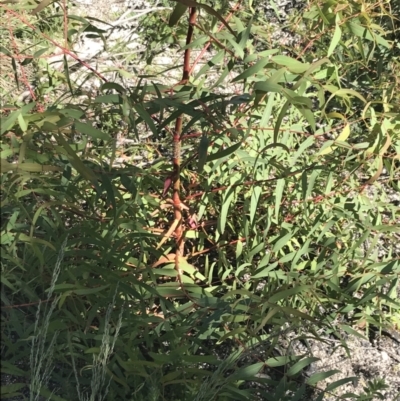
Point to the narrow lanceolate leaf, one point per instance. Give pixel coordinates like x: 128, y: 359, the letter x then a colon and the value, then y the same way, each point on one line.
x: 309, y: 116
x: 292, y: 64
x: 365, y: 33
x: 335, y: 40
x: 267, y: 86
x: 313, y: 66
x: 244, y: 39
x: 77, y: 162
x: 285, y: 294
x: 203, y: 147
x: 306, y: 144
x: 66, y: 72
x: 341, y: 382
x: 87, y: 291
x: 280, y: 118
x: 342, y: 137
x: 225, y: 152
x: 298, y: 366
x: 385, y: 147
x: 318, y: 377
x: 28, y: 167
x: 88, y: 130
x: 210, y: 10
x: 33, y: 240
x: 224, y: 210
x: 280, y: 186
x: 247, y: 372
x: 343, y: 92
x: 7, y: 123
x: 113, y: 86
x: 146, y: 117
x: 176, y: 14
x: 42, y: 5
x: 255, y: 196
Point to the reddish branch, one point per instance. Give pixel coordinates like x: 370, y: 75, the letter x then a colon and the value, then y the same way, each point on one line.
x: 200, y: 56
x: 25, y: 79
x: 176, y: 161
x: 64, y: 49
x: 25, y: 305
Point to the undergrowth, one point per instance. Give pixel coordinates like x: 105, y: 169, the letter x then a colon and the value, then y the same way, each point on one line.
x: 183, y: 224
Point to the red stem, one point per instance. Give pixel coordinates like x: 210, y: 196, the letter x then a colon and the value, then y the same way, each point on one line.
x: 176, y: 161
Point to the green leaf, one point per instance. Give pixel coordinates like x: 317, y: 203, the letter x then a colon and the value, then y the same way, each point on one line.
x: 29, y: 167
x: 167, y: 292
x: 49, y: 395
x: 285, y: 294
x: 8, y: 368
x: 40, y: 52
x: 304, y: 145
x: 295, y: 312
x: 292, y: 64
x: 66, y: 72
x: 42, y: 5
x: 238, y: 51
x: 353, y: 332
x: 8, y: 122
x: 113, y: 86
x: 223, y: 153
x: 320, y: 376
x: 77, y: 162
x: 365, y: 33
x: 342, y: 137
x: 298, y: 366
x: 111, y: 193
x: 279, y: 120
x: 341, y: 382
x: 73, y: 113
x: 279, y: 361
x: 91, y: 131
x: 280, y: 186
x: 33, y: 240
x: 113, y: 99
x: 343, y: 93
x: 176, y: 14
x: 282, y: 241
x: 245, y: 35
x: 210, y: 10
x: 255, y: 196
x: 309, y: 116
x: 335, y: 40
x: 247, y: 372
x: 226, y: 203
x: 203, y: 147
x: 11, y: 390
x: 146, y: 117
x: 267, y: 86
x: 87, y: 291
x: 232, y: 334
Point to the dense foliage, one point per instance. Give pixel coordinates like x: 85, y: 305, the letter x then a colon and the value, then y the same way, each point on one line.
x: 165, y: 231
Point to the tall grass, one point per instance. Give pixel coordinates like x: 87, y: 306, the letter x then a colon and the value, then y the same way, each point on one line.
x: 99, y: 383
x: 41, y: 357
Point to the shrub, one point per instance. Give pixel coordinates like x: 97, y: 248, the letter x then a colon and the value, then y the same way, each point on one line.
x: 254, y: 216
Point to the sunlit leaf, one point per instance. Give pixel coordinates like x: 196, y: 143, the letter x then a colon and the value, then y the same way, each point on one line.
x: 335, y: 40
